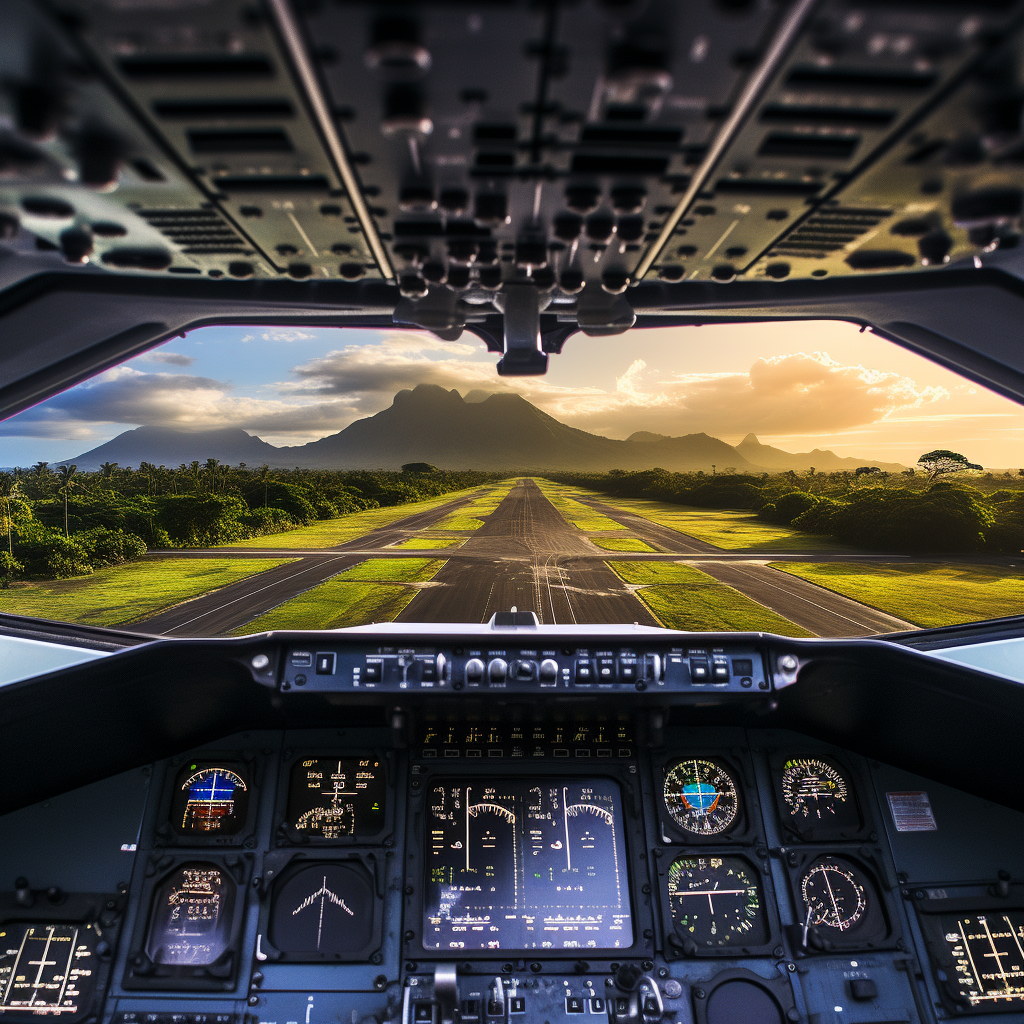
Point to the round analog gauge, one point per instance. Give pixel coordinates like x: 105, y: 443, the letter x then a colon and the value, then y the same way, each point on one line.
x: 813, y: 790
x: 834, y: 894
x: 715, y: 901
x: 210, y: 798
x: 702, y: 797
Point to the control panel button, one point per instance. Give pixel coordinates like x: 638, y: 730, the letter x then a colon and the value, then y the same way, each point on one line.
x: 517, y: 1004
x: 863, y: 989
x: 574, y: 1004
x: 428, y: 671
x: 596, y: 1004
x: 548, y: 670
x: 525, y: 671
x: 721, y: 673
x: 497, y: 670
x: 373, y: 671
x: 302, y: 659
x: 474, y: 670
x: 423, y: 1013
x: 584, y: 672
x: 699, y: 670
x: 325, y: 664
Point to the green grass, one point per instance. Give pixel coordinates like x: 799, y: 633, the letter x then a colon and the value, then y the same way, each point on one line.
x: 725, y: 528
x: 352, y: 598
x: 458, y: 521
x: 392, y: 570
x: 430, y: 542
x: 621, y: 544
x: 574, y: 512
x: 685, y: 598
x: 926, y: 594
x: 328, y: 533
x: 126, y: 593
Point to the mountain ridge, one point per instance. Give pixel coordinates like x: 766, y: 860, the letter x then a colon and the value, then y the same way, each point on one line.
x: 437, y: 425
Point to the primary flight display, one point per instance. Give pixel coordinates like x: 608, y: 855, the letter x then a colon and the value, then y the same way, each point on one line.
x: 526, y: 864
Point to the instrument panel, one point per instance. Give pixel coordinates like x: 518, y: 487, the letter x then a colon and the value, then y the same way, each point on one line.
x: 697, y: 875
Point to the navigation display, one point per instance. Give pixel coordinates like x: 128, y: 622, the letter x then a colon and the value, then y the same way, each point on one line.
x: 988, y: 958
x: 526, y: 864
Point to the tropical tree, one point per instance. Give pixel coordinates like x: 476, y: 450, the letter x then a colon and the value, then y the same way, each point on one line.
x: 263, y: 476
x: 66, y: 475
x: 940, y: 461
x: 8, y: 487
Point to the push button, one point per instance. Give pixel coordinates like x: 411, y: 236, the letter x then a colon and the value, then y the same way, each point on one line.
x: 470, y: 1009
x: 373, y: 671
x: 423, y: 1013
x: 596, y: 1004
x: 517, y: 1004
x: 699, y: 671
x: 584, y: 672
x: 721, y: 673
x: 863, y: 989
x: 574, y: 1004
x: 325, y: 664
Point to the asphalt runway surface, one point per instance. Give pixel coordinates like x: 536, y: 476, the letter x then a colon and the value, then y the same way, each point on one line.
x: 528, y: 557
x: 517, y: 559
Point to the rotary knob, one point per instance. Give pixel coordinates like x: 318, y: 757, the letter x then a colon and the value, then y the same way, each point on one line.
x: 497, y: 670
x: 474, y: 670
x: 548, y: 670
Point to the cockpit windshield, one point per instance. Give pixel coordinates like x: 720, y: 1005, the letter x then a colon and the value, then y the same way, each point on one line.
x: 803, y: 478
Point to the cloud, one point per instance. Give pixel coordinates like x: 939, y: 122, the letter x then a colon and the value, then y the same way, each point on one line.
x: 280, y: 335
x: 797, y: 395
x: 171, y: 358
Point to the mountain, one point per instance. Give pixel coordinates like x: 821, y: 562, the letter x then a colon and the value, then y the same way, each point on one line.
x: 431, y: 424
x: 822, y: 460
x: 164, y: 446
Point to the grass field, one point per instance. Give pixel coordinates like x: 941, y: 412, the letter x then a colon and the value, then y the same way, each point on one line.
x: 621, y: 544
x: 574, y: 512
x: 372, y: 591
x: 126, y: 593
x: 685, y: 598
x: 926, y: 594
x: 330, y: 532
x: 458, y: 521
x: 430, y: 542
x: 725, y: 528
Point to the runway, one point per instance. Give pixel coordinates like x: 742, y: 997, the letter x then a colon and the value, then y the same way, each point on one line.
x: 518, y: 559
x: 528, y: 557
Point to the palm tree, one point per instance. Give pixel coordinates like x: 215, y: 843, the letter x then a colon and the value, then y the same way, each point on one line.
x: 107, y: 471
x: 66, y: 474
x: 263, y: 476
x: 211, y: 472
x: 8, y: 485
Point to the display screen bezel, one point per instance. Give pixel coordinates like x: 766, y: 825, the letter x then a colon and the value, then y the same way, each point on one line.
x: 636, y: 872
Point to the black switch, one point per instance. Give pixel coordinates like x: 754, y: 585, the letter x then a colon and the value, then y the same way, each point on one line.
x: 574, y: 1004
x: 863, y: 989
x: 517, y: 1004
x: 584, y: 672
x: 722, y: 672
x: 651, y: 1007
x: 621, y: 1007
x: 597, y: 1005
x: 372, y: 672
x: 699, y: 671
x: 325, y: 664
x: 470, y: 1009
x: 429, y: 673
x: 423, y: 1013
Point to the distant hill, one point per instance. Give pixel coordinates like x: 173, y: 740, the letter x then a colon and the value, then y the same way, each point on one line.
x: 164, y: 446
x: 822, y: 460
x: 430, y: 424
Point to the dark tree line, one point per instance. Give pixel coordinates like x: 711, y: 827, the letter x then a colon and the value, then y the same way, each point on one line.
x: 57, y: 523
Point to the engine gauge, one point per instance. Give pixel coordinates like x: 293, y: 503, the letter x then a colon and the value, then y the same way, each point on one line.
x: 835, y: 895
x: 192, y: 916
x: 47, y: 969
x: 210, y: 799
x: 715, y: 902
x: 334, y: 797
x: 702, y: 797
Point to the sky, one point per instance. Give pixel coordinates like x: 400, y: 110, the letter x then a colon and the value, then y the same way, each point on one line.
x: 797, y: 385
